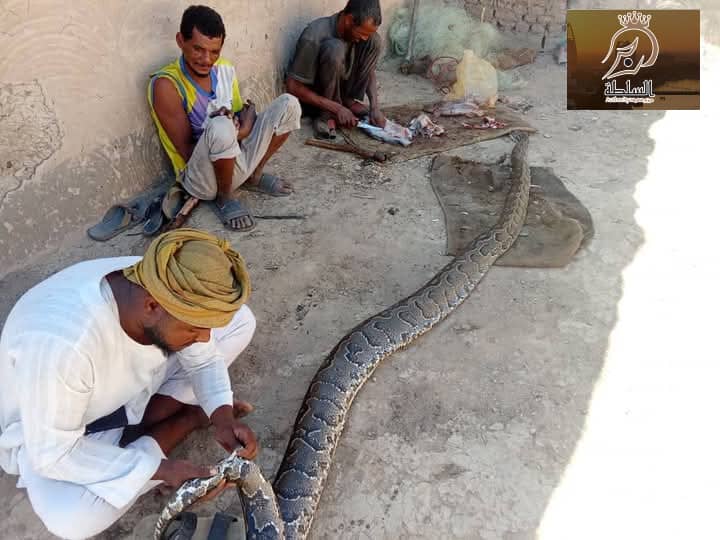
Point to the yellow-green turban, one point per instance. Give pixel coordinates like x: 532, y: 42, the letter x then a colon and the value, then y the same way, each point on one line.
x: 197, y: 277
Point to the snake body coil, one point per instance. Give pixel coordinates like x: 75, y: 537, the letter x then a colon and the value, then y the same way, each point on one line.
x: 320, y: 421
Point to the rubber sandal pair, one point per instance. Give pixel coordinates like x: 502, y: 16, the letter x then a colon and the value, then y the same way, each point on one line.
x: 147, y: 208
x: 188, y: 526
x: 117, y: 219
x: 164, y: 210
x: 121, y: 217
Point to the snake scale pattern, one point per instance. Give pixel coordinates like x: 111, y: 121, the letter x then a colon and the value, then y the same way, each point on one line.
x: 285, y: 510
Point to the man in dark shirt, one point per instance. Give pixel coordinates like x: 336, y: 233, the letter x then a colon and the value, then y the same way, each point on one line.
x: 334, y: 67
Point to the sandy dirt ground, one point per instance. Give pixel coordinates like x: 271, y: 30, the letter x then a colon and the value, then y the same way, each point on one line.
x: 561, y: 404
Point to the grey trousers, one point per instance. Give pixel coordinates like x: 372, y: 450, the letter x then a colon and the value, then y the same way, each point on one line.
x: 344, y: 68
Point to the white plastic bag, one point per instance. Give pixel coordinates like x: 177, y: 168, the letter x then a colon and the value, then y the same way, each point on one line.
x: 476, y: 80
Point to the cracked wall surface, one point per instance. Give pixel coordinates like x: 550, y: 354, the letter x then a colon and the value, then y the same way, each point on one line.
x: 30, y: 135
x: 75, y: 133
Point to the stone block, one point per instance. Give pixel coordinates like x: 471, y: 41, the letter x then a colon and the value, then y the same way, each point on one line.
x: 503, y: 14
x: 476, y: 10
x: 512, y: 58
x: 536, y: 28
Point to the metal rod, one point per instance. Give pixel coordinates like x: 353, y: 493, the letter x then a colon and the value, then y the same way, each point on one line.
x: 287, y: 216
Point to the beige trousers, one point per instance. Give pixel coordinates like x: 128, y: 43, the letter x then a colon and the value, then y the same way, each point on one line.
x: 219, y: 141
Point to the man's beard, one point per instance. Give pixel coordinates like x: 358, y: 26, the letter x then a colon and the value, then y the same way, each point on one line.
x: 201, y: 75
x: 152, y: 333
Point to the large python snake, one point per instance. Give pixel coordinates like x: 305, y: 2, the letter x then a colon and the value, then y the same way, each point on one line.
x: 285, y: 510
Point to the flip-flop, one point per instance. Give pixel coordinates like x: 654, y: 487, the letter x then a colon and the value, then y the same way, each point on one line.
x: 323, y: 129
x: 183, y: 527
x: 173, y: 201
x: 164, y: 209
x: 188, y: 526
x: 233, y: 209
x: 124, y: 216
x: 220, y: 527
x: 155, y: 218
x: 269, y: 184
x: 117, y: 219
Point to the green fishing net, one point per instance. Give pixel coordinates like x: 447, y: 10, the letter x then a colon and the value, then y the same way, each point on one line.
x: 442, y: 31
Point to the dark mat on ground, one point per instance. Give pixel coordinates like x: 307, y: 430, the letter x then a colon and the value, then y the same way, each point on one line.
x: 472, y: 195
x: 455, y: 134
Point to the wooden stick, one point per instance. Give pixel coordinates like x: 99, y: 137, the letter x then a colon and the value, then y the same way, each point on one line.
x: 330, y: 146
x: 183, y: 215
x: 350, y: 149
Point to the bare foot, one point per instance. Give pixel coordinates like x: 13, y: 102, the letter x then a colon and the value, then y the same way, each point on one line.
x: 234, y: 214
x: 269, y: 184
x: 196, y: 414
x: 242, y: 408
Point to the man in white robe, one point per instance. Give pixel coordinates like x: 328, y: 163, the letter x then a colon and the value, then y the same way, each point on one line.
x: 109, y: 364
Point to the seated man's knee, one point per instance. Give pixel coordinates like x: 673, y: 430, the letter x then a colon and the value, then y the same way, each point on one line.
x: 234, y: 338
x: 291, y: 104
x: 249, y: 320
x: 221, y: 131
x: 332, y: 54
x: 70, y: 523
x: 244, y: 321
x: 69, y: 510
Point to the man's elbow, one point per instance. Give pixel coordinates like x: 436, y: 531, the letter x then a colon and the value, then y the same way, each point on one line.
x: 293, y: 87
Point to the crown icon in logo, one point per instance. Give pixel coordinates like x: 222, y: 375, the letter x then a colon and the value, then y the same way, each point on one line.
x: 635, y: 19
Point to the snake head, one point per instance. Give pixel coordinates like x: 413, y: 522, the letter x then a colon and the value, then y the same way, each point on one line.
x: 231, y: 467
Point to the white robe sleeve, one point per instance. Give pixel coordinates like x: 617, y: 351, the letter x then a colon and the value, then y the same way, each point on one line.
x: 57, y: 383
x: 208, y: 374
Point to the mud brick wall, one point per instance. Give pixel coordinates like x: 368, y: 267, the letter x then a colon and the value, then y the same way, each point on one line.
x: 534, y: 16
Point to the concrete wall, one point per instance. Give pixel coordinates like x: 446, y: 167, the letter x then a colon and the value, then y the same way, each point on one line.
x: 547, y: 17
x: 535, y: 16
x: 75, y: 134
